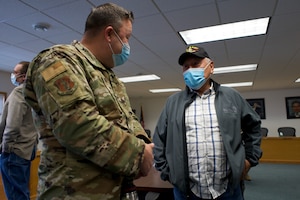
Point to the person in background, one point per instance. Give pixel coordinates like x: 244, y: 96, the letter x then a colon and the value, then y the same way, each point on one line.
x: 18, y: 139
x: 198, y: 143
x: 93, y: 145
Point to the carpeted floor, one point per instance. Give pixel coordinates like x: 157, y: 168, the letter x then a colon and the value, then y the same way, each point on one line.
x: 273, y: 182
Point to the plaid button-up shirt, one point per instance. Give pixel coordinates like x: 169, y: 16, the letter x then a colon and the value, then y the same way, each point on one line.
x: 208, y: 166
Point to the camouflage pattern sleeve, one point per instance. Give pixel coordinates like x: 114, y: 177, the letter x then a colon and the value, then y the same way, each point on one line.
x: 138, y: 130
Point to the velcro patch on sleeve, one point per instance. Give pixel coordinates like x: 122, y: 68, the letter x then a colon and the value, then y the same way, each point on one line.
x: 65, y: 85
x: 53, y: 70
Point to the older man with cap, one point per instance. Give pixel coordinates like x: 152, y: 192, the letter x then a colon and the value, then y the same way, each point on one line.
x: 199, y: 147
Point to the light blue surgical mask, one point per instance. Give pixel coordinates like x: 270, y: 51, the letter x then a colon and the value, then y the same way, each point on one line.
x: 13, y: 79
x: 194, y: 77
x: 121, y: 58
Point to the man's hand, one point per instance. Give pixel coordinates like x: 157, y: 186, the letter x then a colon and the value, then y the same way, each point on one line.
x: 147, y: 162
x: 247, y: 167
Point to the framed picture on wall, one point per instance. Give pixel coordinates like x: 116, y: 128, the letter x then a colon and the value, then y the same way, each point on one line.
x: 292, y: 107
x: 259, y: 106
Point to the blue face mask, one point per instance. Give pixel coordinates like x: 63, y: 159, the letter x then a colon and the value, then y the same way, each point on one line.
x: 13, y: 79
x: 194, y: 77
x: 121, y: 58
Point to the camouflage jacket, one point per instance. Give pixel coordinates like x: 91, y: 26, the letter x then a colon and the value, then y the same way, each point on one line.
x: 89, y: 133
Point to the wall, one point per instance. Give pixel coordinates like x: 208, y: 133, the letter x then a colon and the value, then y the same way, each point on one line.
x: 274, y: 106
x: 5, y: 84
x: 276, y: 109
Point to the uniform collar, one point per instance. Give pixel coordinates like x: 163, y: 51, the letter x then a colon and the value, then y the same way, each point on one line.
x: 88, y: 55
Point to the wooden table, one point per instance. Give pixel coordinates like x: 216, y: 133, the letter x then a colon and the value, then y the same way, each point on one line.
x: 2, y: 193
x: 152, y: 182
x: 281, y: 149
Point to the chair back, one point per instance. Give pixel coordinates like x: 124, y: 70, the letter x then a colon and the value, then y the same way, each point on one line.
x: 286, y: 131
x: 264, y: 132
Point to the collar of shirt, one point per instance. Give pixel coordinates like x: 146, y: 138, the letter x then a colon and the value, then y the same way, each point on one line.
x: 205, y: 148
x: 207, y: 93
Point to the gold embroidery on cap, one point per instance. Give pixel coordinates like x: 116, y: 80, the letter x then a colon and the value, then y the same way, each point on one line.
x: 192, y: 49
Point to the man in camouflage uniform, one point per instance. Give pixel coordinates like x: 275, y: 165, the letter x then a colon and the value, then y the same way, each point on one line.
x: 91, y: 139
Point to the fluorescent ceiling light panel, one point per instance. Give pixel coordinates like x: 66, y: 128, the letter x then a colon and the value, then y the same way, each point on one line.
x: 140, y: 78
x: 226, y: 31
x: 241, y: 84
x: 237, y: 68
x: 298, y: 80
x: 165, y: 90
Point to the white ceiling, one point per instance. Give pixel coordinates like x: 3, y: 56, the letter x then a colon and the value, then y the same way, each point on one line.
x: 156, y: 44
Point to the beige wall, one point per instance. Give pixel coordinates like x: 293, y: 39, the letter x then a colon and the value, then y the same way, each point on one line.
x: 5, y: 84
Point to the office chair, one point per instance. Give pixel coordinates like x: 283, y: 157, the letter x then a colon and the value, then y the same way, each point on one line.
x: 264, y: 132
x: 286, y: 131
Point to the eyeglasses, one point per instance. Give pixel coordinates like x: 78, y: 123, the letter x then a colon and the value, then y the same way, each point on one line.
x: 18, y: 74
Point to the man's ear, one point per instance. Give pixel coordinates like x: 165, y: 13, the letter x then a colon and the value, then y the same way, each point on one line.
x: 212, y: 66
x: 108, y: 33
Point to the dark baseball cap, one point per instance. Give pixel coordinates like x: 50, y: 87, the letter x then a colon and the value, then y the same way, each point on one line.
x: 192, y: 51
